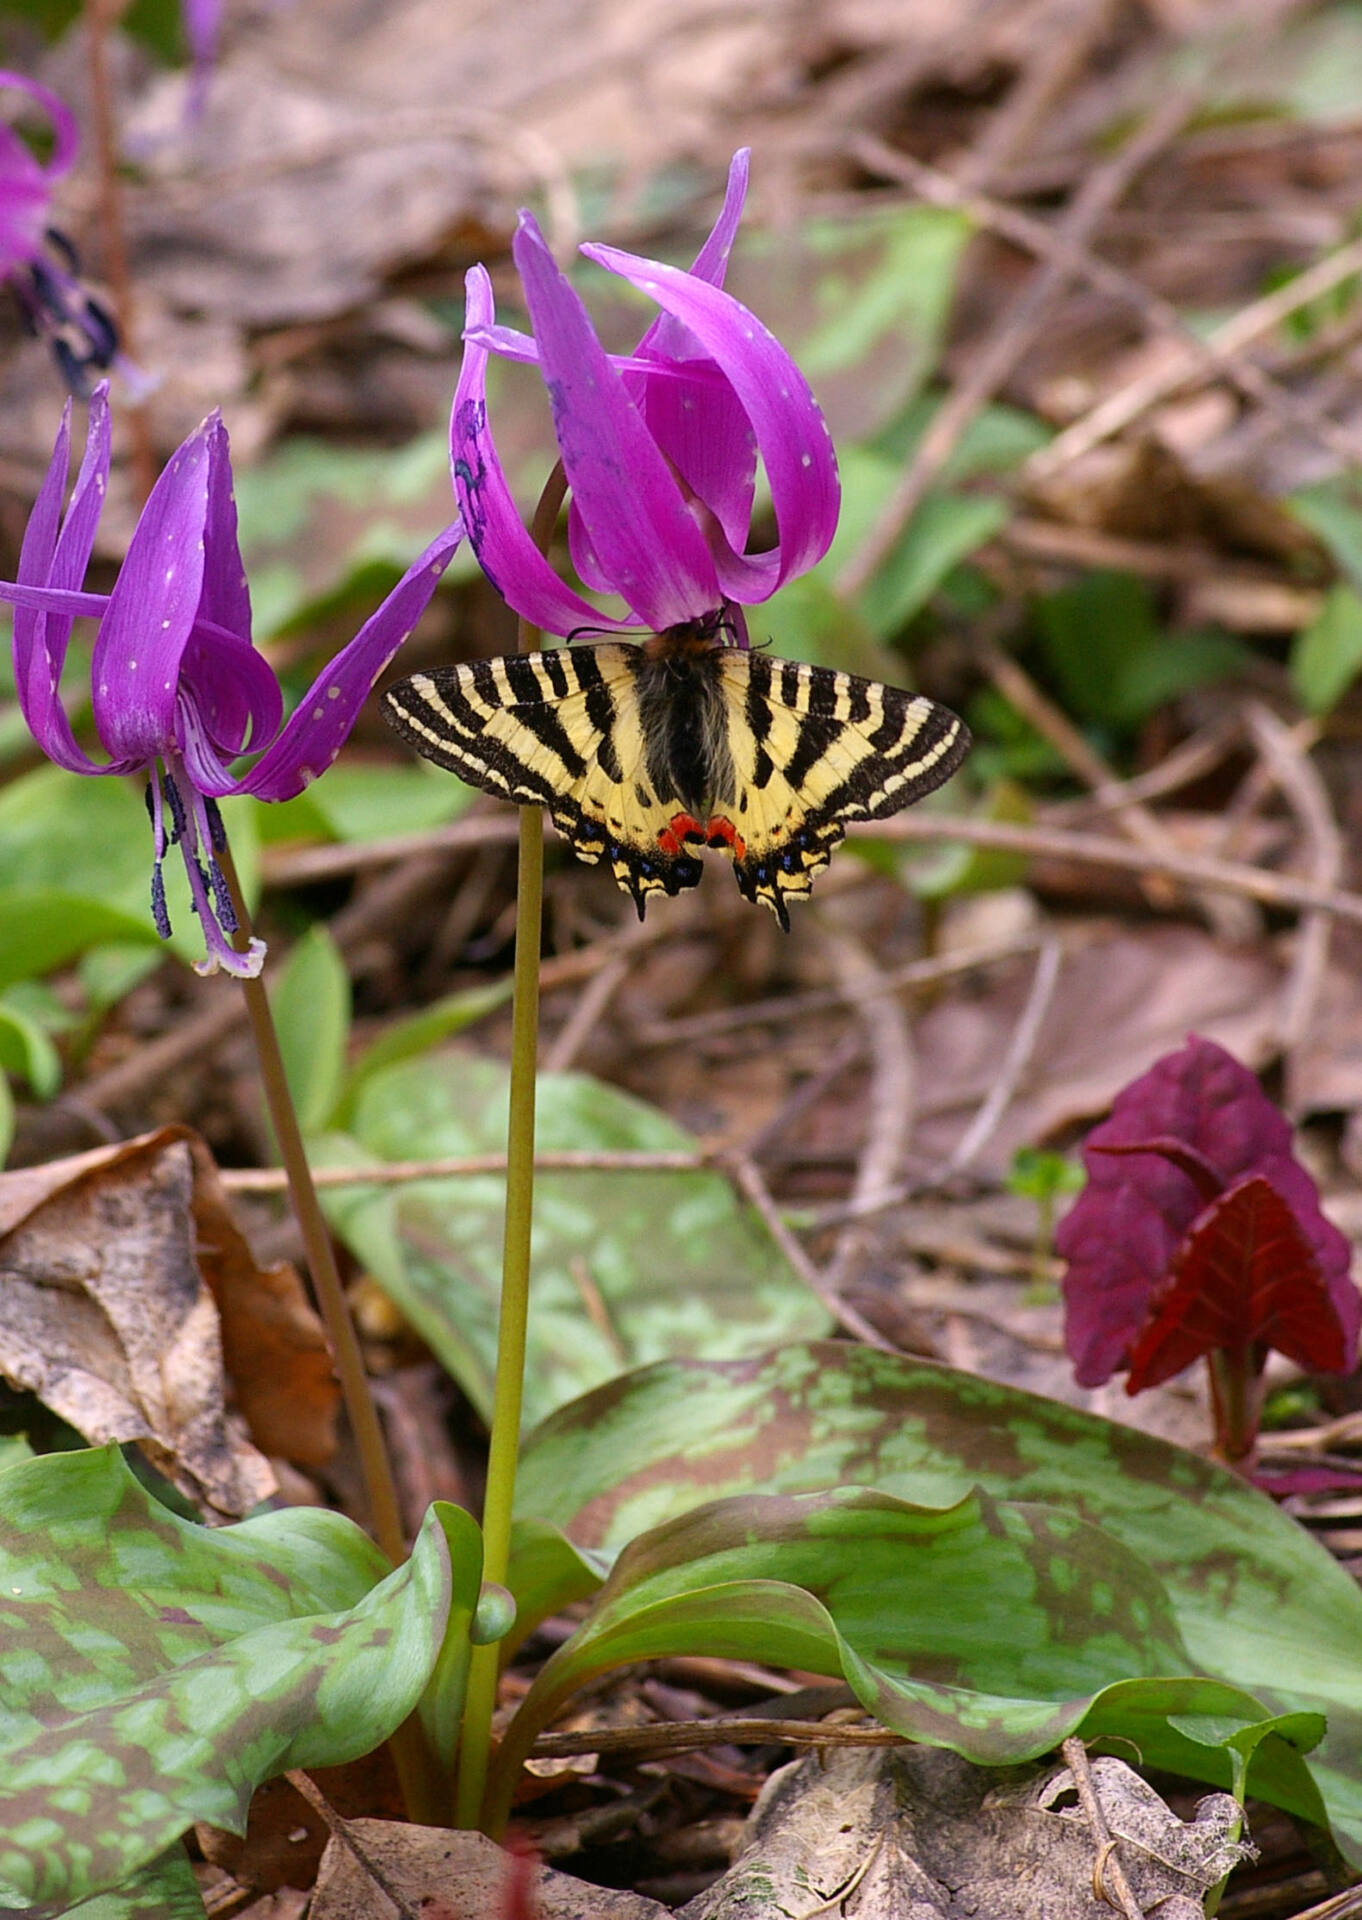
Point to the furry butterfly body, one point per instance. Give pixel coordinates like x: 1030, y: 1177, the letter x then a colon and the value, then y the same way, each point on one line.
x: 646, y: 754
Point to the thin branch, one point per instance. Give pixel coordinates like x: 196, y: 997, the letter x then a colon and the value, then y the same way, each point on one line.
x: 1108, y: 1875
x: 1159, y: 315
x: 1014, y: 1065
x: 754, y: 1189
x: 1011, y: 338
x: 1127, y: 403
x: 400, y: 1173
x: 731, y: 1729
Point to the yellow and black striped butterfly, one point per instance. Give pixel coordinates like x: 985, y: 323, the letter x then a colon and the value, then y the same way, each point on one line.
x: 648, y: 753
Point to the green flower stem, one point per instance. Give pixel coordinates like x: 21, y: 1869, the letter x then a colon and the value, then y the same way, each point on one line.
x: 485, y: 1664
x: 408, y: 1745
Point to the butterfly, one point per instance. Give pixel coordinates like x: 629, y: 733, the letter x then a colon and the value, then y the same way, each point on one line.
x: 647, y: 753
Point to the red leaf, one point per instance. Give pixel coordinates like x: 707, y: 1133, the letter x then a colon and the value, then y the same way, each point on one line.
x: 1245, y: 1277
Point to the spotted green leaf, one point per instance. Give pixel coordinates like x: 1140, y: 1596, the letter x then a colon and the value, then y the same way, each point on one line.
x: 992, y: 1627
x: 628, y: 1267
x: 1257, y: 1603
x: 153, y: 1672
x: 164, y: 1890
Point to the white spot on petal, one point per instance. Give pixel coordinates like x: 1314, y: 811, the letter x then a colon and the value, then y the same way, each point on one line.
x: 319, y: 713
x: 806, y: 459
x: 333, y: 693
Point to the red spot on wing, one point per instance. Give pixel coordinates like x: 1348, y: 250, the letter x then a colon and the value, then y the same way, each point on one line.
x: 679, y: 828
x: 721, y: 832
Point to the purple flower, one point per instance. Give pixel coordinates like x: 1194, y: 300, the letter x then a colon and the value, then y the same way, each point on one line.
x: 40, y: 263
x: 660, y: 446
x: 177, y: 687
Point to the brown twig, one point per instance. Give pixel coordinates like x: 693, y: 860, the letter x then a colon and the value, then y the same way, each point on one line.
x: 754, y: 1189
x: 1158, y: 314
x: 730, y: 1729
x: 1011, y: 338
x: 341, y: 1830
x: 1229, y: 876
x: 1108, y: 1875
x: 400, y: 1173
x: 1137, y: 396
x: 1014, y: 1065
x: 1299, y: 782
x: 889, y: 1103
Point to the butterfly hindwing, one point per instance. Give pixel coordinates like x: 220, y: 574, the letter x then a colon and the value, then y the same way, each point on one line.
x: 561, y: 730
x: 814, y: 749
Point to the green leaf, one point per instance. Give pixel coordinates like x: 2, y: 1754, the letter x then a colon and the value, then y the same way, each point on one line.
x: 83, y: 845
x: 42, y: 929
x: 627, y: 1267
x: 416, y: 1035
x: 310, y: 1000
x: 945, y: 530
x: 25, y: 1049
x: 357, y: 803
x: 1326, y: 656
x: 152, y: 1672
x: 7, y: 1119
x: 1332, y: 510
x: 1258, y: 1603
x: 863, y: 302
x: 1112, y: 660
x: 110, y: 971
x: 992, y: 1627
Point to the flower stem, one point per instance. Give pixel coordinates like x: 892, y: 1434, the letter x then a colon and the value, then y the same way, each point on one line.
x: 408, y: 1745
x: 513, y: 1322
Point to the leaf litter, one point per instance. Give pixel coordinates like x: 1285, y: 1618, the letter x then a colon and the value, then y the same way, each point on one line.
x: 274, y: 263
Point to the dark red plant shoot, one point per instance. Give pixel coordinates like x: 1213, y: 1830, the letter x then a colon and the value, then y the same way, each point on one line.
x: 1200, y: 1234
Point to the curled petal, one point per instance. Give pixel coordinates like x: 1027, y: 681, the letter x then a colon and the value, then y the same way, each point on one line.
x: 65, y: 138
x: 56, y: 562
x: 505, y: 551
x: 790, y: 431
x: 318, y: 728
x: 643, y: 534
x: 151, y: 613
x: 236, y: 697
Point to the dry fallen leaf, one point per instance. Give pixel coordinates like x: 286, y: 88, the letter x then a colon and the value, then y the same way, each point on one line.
x: 109, y: 1266
x: 453, y: 1876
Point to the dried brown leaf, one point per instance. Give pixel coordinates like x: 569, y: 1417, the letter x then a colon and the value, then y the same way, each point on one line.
x: 109, y: 1262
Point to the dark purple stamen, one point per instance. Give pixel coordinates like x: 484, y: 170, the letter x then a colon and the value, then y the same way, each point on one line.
x: 176, y: 805
x: 222, y: 899
x: 159, y: 912
x: 217, y: 833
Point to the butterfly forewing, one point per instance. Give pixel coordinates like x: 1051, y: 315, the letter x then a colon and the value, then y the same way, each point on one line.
x: 781, y: 754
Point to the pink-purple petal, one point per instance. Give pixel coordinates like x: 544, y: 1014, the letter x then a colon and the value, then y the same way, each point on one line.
x: 234, y: 690
x: 53, y: 562
x: 791, y: 434
x: 25, y: 183
x: 496, y: 533
x: 316, y: 731
x: 642, y: 532
x: 143, y: 635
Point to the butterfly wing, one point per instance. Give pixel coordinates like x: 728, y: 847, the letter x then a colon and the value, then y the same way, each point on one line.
x: 562, y: 730
x: 813, y: 749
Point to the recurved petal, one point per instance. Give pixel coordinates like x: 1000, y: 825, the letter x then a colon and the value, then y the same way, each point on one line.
x: 644, y: 536
x: 791, y: 434
x: 505, y: 551
x: 56, y: 561
x: 143, y: 635
x: 317, y: 729
x: 25, y: 183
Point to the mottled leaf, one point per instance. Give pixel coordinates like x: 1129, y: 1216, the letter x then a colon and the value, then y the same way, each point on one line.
x: 627, y: 1267
x: 991, y: 1627
x: 164, y: 1890
x: 154, y: 1672
x: 1244, y: 1277
x: 1257, y: 1602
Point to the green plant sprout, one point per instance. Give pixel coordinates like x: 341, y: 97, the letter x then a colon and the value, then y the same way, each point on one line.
x: 1041, y: 1175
